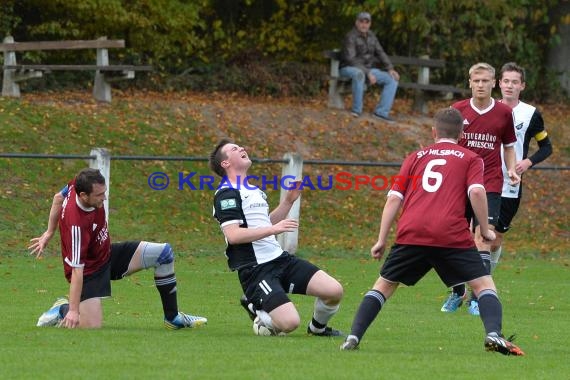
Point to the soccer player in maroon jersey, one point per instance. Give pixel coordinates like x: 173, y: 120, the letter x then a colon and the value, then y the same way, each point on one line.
x: 528, y: 125
x: 91, y: 261
x: 487, y: 124
x: 450, y: 176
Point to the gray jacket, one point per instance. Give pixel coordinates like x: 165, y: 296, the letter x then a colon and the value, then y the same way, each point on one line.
x: 364, y: 51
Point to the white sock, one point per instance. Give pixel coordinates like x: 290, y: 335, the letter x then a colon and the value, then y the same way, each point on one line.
x: 353, y: 337
x: 265, y: 318
x: 495, y: 257
x: 323, y: 312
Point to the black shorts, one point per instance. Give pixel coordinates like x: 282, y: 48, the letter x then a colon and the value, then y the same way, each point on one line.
x: 98, y: 284
x: 493, y: 209
x: 509, y: 208
x: 266, y: 285
x: 407, y: 264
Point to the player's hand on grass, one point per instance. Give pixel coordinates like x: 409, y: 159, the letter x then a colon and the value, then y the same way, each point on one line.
x: 38, y: 244
x: 70, y: 321
x: 377, y: 251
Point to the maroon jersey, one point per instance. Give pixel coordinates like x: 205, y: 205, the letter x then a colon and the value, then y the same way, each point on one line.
x: 85, y: 240
x: 435, y: 183
x: 483, y: 132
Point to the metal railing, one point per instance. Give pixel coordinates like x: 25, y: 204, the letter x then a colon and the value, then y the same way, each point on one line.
x: 100, y: 158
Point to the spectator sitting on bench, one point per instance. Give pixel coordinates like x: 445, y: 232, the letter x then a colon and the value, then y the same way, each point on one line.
x: 361, y: 53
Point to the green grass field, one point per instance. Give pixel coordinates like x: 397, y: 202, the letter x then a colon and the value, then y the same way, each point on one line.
x: 410, y: 339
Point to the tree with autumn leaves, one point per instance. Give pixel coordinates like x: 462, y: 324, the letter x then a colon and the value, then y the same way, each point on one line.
x: 272, y: 38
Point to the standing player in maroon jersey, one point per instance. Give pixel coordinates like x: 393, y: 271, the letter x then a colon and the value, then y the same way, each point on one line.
x: 450, y: 175
x: 91, y: 261
x: 487, y: 124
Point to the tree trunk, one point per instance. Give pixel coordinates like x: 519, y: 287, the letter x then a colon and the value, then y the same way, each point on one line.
x: 559, y: 55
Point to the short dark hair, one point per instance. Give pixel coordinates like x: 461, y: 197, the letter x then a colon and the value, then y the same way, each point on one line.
x: 217, y: 156
x: 448, y: 123
x: 512, y: 66
x: 86, y: 178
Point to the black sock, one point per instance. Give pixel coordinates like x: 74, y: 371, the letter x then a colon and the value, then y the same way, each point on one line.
x: 367, y: 311
x: 317, y: 324
x: 63, y: 309
x: 167, y: 288
x: 491, y: 311
x: 459, y: 290
x: 486, y: 257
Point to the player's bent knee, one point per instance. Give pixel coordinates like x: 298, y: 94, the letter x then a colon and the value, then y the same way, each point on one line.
x: 335, y: 291
x: 155, y: 254
x: 287, y: 323
x: 284, y: 317
x: 338, y: 290
x: 159, y: 256
x: 481, y: 284
x: 91, y: 314
x: 333, y: 297
x: 326, y: 287
x: 166, y: 256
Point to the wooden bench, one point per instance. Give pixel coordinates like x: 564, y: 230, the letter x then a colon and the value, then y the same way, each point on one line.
x: 105, y: 73
x: 339, y: 86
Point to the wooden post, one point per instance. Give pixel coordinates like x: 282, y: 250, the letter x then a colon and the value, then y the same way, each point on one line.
x: 293, y: 168
x: 9, y: 85
x: 420, y: 101
x: 101, y: 88
x: 335, y: 97
x: 102, y: 161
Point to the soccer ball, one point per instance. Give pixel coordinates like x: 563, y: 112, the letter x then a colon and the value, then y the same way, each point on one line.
x: 260, y: 329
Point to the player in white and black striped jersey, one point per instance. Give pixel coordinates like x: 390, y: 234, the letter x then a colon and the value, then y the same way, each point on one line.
x: 266, y: 272
x: 528, y: 125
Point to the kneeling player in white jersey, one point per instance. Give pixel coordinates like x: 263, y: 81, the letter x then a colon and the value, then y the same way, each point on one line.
x: 528, y: 125
x: 266, y: 272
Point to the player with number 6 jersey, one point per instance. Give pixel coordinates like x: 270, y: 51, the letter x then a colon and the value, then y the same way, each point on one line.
x: 436, y: 164
x: 450, y: 176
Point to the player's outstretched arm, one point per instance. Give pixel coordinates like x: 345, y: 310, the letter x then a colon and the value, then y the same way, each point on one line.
x: 510, y: 163
x: 237, y: 235
x: 389, y: 214
x: 39, y: 243
x: 478, y: 199
x: 282, y: 210
x: 543, y: 152
x: 71, y: 319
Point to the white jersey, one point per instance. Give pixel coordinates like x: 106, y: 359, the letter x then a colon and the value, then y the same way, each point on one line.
x: 522, y: 114
x: 248, y: 207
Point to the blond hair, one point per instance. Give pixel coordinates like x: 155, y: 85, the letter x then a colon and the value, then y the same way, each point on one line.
x: 482, y: 66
